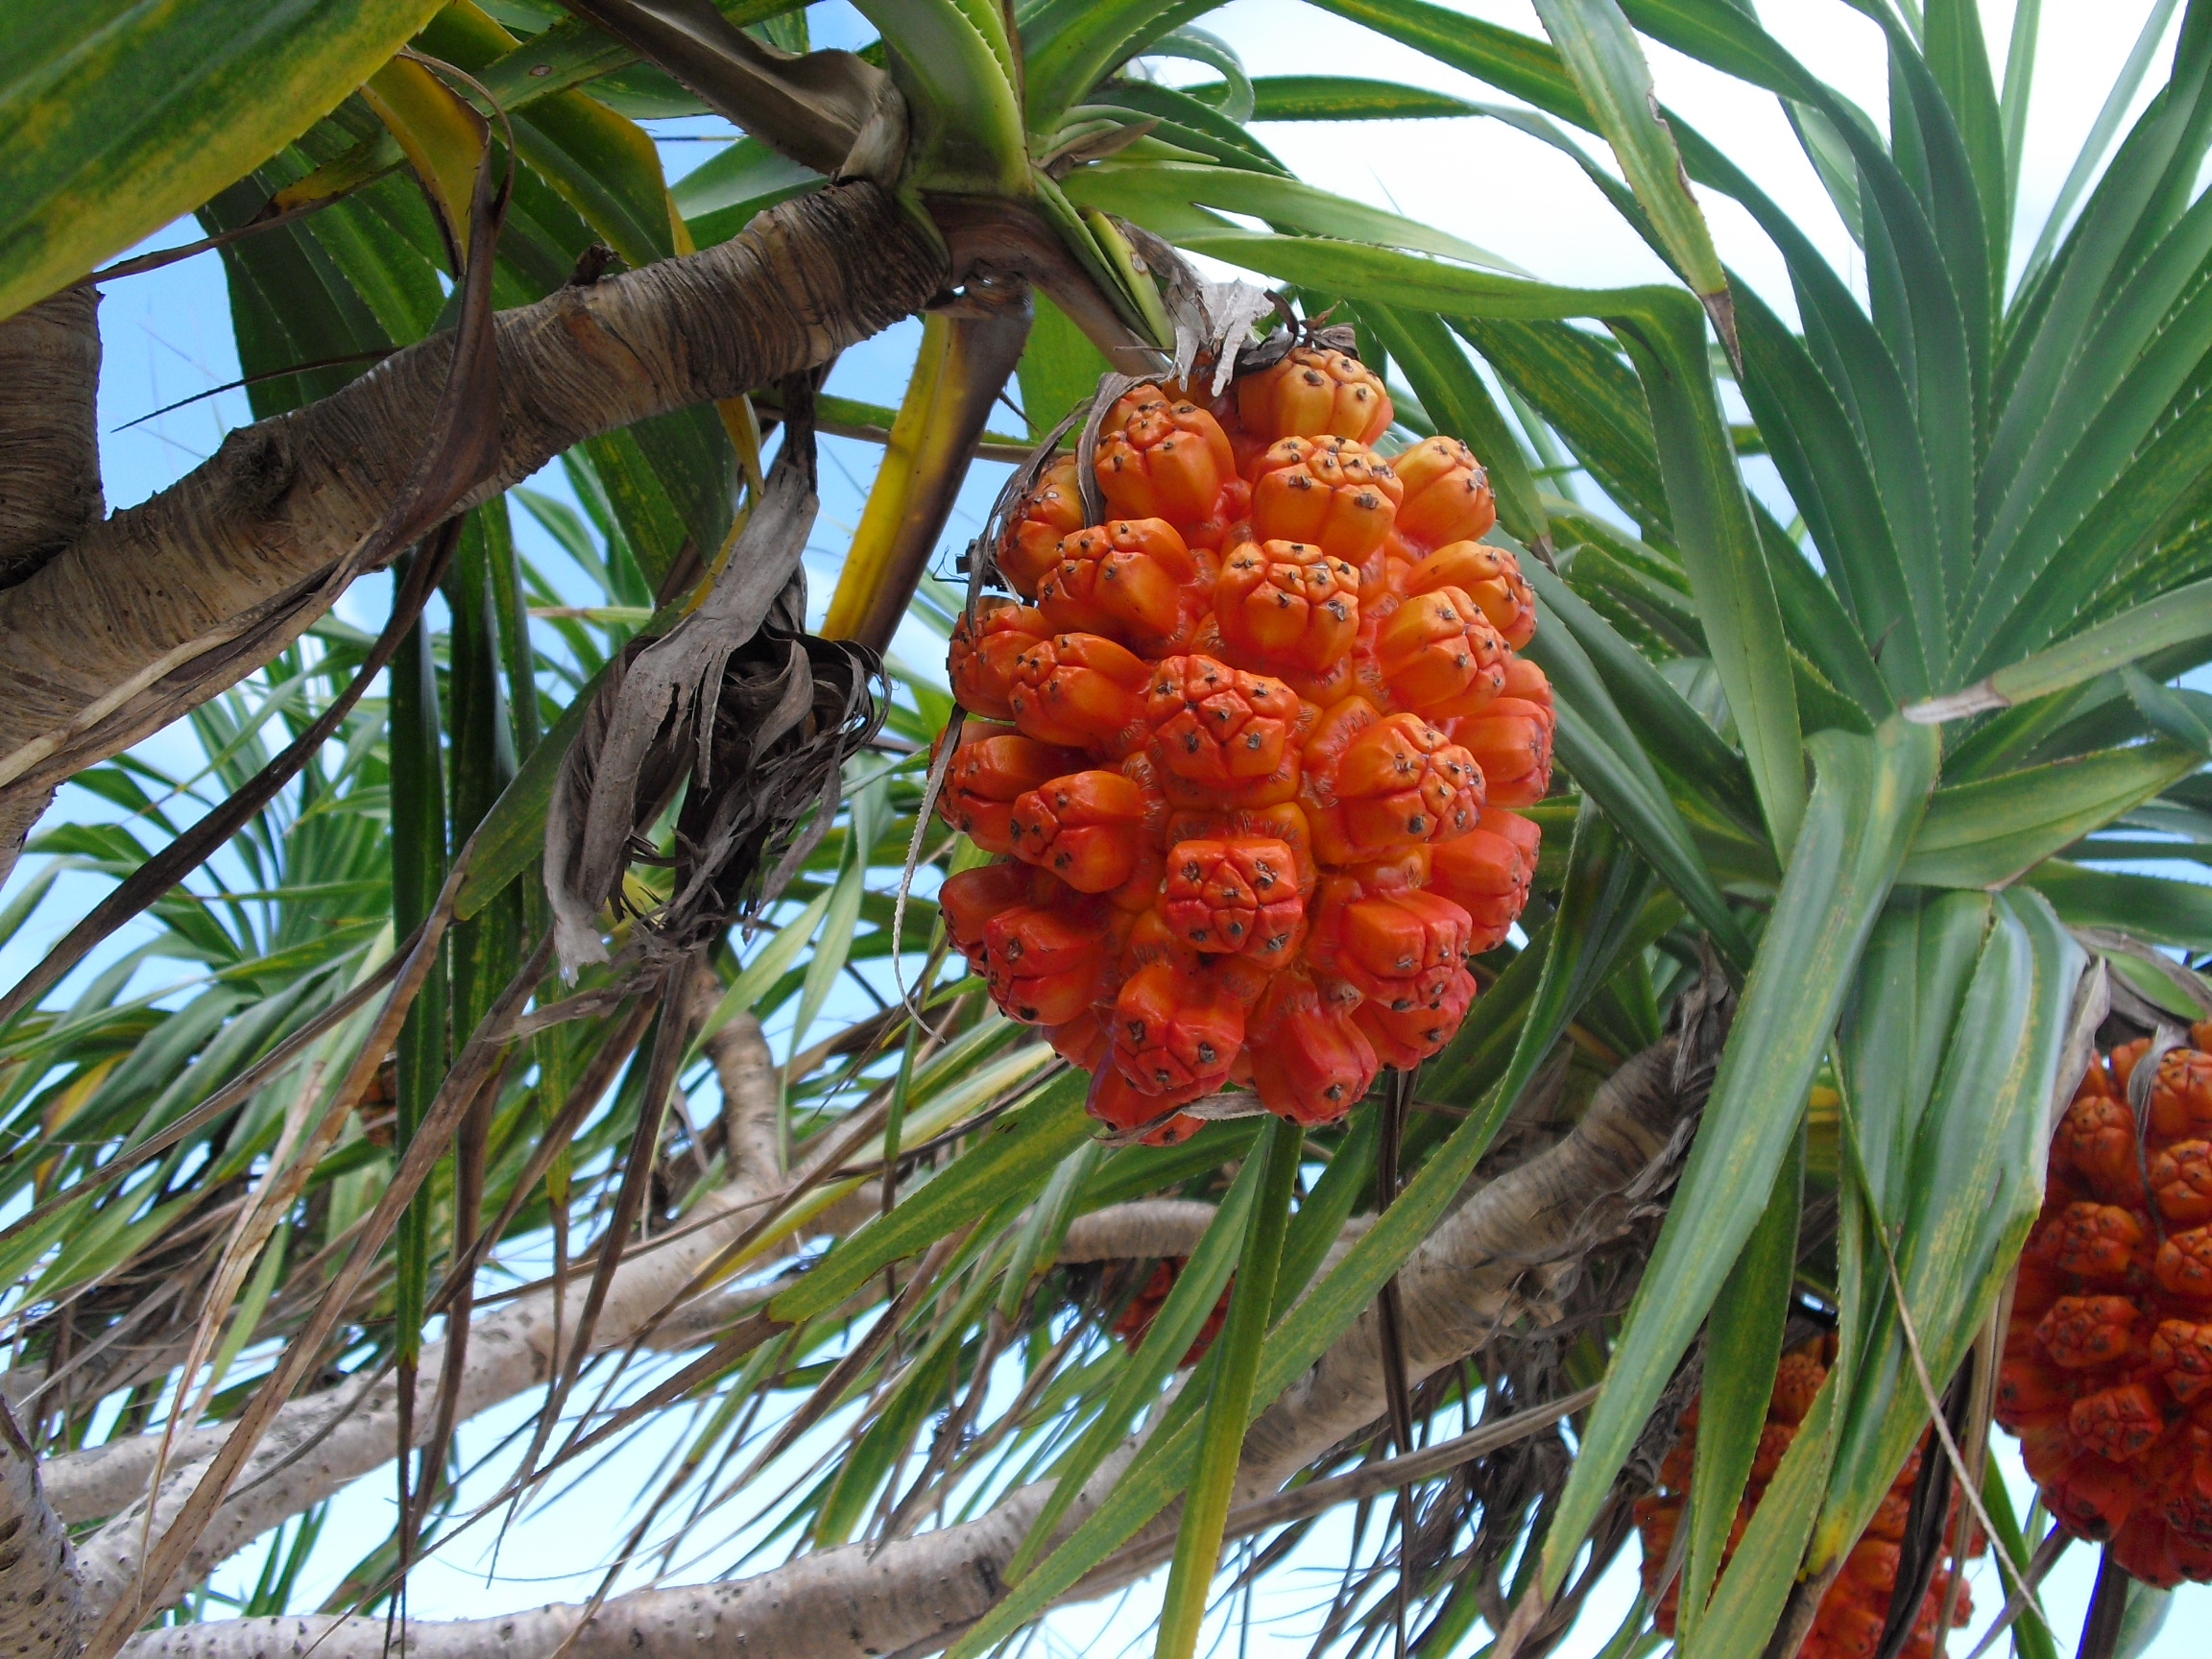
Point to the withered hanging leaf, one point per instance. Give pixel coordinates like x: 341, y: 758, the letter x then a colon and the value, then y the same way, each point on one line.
x: 739, y: 700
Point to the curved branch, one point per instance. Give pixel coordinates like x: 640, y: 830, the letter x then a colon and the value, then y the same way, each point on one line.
x: 41, y: 1607
x: 49, y: 439
x: 319, y: 1445
x: 128, y: 626
x: 1497, y: 1260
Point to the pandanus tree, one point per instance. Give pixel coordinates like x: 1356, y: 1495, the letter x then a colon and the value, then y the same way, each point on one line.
x: 482, y: 914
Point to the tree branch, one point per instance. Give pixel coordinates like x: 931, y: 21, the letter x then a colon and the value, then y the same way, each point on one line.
x: 141, y: 617
x: 1499, y: 1259
x: 41, y: 1605
x: 321, y: 1444
x: 49, y: 437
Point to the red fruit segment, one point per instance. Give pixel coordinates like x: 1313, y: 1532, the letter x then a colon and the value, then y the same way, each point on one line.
x: 2085, y: 1331
x: 969, y: 898
x: 1223, y: 730
x: 1511, y: 738
x: 1309, y: 1060
x: 1439, y: 655
x: 2096, y: 1241
x: 981, y: 655
x: 1042, y: 963
x: 1487, y: 873
x: 1375, y: 785
x: 1286, y: 605
x: 1447, y: 495
x: 1119, y: 1106
x: 1031, y: 542
x: 1082, y: 1041
x: 1490, y: 576
x: 1235, y: 896
x: 2181, y: 1354
x: 2184, y: 1264
x: 2181, y: 1094
x: 1405, y: 1038
x: 1078, y: 689
x: 1334, y: 493
x: 2118, y: 1423
x: 1176, y: 1033
x: 1086, y: 827
x: 1162, y: 460
x: 1284, y: 822
x: 2096, y: 1138
x: 2029, y: 1388
x: 1132, y: 579
x: 1401, y: 948
x: 2181, y: 1182
x: 1314, y: 392
x: 990, y: 771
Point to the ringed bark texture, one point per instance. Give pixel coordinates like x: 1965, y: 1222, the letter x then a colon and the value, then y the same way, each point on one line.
x: 49, y: 439
x: 114, y: 635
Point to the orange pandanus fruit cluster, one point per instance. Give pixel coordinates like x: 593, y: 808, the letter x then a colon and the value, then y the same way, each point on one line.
x: 1850, y: 1620
x: 2108, y: 1376
x: 1250, y: 744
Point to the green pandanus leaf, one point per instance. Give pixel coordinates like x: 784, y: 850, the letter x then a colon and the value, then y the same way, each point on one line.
x: 1228, y: 1403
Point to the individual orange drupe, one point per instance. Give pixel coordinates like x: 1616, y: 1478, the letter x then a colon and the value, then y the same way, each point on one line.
x: 1490, y: 576
x: 1157, y: 459
x: 1314, y: 392
x: 1176, y: 1033
x: 1235, y: 896
x: 1447, y: 496
x: 1079, y: 690
x: 1086, y: 827
x: 1132, y: 579
x: 1031, y: 541
x: 992, y: 768
x: 1334, y: 493
x: 984, y: 648
x: 1285, y: 605
x: 1439, y: 655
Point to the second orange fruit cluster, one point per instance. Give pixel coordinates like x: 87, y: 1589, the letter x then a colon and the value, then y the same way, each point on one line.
x: 2108, y: 1374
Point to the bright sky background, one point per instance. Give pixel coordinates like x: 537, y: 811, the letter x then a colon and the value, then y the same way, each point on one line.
x: 167, y: 335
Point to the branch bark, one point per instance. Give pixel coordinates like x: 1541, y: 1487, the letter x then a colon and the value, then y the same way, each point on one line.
x: 41, y: 1607
x: 49, y: 435
x: 1498, y: 1259
x: 127, y: 626
x: 321, y: 1444
x: 103, y: 1482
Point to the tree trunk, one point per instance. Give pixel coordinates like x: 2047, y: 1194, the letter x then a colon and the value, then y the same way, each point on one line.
x: 152, y: 612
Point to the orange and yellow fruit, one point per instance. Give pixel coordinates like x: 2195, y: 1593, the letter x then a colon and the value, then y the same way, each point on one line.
x: 2108, y: 1374
x: 1850, y: 1620
x: 1251, y: 742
